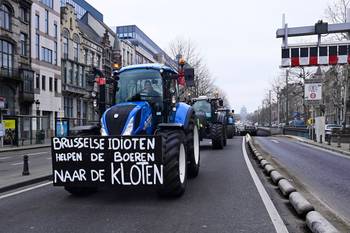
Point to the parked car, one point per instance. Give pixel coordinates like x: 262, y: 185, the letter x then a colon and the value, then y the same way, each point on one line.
x: 328, y: 129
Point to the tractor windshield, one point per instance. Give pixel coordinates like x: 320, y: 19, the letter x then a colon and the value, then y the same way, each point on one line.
x: 140, y: 85
x: 202, y: 106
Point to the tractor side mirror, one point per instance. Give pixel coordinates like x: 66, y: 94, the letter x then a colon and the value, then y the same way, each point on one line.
x: 221, y: 103
x: 233, y: 111
x: 189, y: 77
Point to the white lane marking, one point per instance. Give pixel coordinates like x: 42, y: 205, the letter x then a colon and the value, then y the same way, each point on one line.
x: 15, y: 164
x: 275, y: 141
x: 302, y: 142
x: 49, y: 158
x: 2, y: 158
x: 24, y: 190
x: 38, y: 153
x: 271, y: 209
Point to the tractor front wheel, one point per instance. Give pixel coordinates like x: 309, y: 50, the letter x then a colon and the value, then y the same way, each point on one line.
x: 174, y: 163
x: 192, y: 141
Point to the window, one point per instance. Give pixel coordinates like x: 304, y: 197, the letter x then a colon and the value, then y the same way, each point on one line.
x: 28, y: 85
x: 55, y: 85
x: 75, y: 50
x: 76, y: 74
x: 6, y: 55
x: 43, y: 82
x: 48, y: 3
x: 23, y: 14
x: 98, y: 60
x: 23, y: 44
x: 65, y: 47
x: 68, y: 106
x: 37, y: 22
x: 50, y: 84
x: 46, y: 55
x: 37, y: 46
x: 86, y: 56
x: 5, y: 17
x: 81, y: 77
x: 37, y: 81
x: 46, y: 21
x: 70, y: 73
x: 56, y: 30
x: 55, y: 53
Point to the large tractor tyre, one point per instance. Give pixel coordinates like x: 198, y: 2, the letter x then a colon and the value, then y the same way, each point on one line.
x: 217, y: 136
x: 230, y: 132
x: 80, y: 191
x: 193, y: 151
x: 174, y: 163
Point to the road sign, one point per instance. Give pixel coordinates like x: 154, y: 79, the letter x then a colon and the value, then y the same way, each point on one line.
x: 313, y: 92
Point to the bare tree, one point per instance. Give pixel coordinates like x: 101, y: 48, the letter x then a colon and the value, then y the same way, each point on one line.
x: 336, y: 12
x: 187, y: 49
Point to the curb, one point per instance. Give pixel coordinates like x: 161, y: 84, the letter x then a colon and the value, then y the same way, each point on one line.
x: 318, y: 224
x: 25, y: 183
x: 286, y: 187
x: 300, y: 204
x: 322, y: 146
x: 276, y: 177
x: 23, y: 148
x: 314, y: 220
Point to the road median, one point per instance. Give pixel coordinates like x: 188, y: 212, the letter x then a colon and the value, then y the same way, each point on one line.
x: 314, y: 220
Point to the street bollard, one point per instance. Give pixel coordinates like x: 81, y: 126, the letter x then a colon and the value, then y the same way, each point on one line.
x: 25, y: 166
x: 329, y: 140
x: 338, y: 138
x: 321, y: 139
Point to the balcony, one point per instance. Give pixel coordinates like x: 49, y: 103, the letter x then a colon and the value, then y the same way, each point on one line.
x: 10, y: 74
x: 26, y: 94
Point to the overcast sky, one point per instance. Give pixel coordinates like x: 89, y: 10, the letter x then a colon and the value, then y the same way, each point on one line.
x: 236, y: 38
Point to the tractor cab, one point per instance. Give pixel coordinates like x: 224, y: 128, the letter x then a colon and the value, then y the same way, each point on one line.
x: 145, y: 96
x: 212, y: 122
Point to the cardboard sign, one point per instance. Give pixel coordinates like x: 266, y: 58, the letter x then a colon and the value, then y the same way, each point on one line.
x: 113, y: 161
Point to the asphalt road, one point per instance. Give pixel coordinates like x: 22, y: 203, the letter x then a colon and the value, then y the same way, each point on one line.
x: 325, y: 174
x: 223, y: 198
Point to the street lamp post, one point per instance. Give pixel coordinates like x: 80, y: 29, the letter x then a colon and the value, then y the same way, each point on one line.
x: 37, y: 104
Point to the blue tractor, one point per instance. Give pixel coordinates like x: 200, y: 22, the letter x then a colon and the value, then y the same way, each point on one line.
x: 147, y: 102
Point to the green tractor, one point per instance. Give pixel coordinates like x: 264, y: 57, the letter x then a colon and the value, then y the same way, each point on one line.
x: 211, y: 121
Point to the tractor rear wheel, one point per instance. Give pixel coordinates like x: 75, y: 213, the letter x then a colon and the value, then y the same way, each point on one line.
x: 192, y: 143
x: 217, y: 136
x: 174, y: 163
x: 230, y: 132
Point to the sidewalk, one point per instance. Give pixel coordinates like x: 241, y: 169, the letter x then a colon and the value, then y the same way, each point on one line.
x: 344, y: 149
x: 28, y: 147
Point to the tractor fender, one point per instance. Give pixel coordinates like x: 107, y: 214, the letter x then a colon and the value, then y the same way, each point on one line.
x: 183, y: 114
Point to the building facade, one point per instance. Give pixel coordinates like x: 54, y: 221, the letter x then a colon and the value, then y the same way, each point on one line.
x: 46, y: 63
x: 146, y: 50
x: 74, y: 86
x: 16, y: 74
x: 81, y: 7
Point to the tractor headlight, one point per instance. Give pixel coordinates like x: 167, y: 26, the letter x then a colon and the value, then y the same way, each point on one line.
x: 129, y: 127
x: 103, y: 132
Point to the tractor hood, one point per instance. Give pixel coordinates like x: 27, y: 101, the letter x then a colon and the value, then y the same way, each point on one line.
x: 129, y: 118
